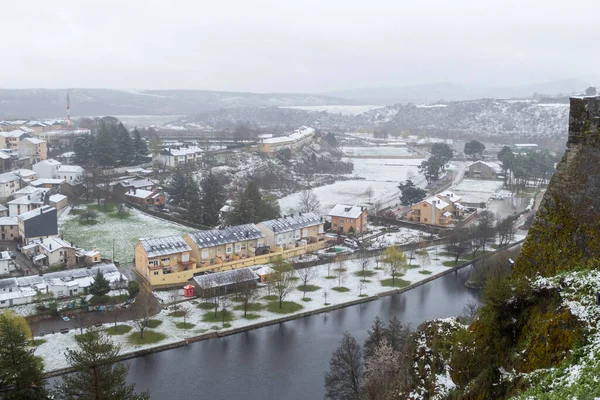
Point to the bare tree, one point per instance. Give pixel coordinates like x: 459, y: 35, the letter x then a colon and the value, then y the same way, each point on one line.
x: 115, y: 312
x: 81, y: 321
x: 376, y: 207
x: 458, y: 243
x: 340, y: 274
x: 248, y: 295
x: 142, y: 318
x: 423, y: 256
x: 174, y: 296
x: 306, y: 275
x: 309, y: 202
x: 215, y: 299
x: 369, y: 193
x: 469, y: 312
x: 365, y: 263
x: 325, y: 294
x: 484, y: 233
x: 185, y: 312
x: 283, y: 279
x: 224, y: 307
x: 121, y: 209
x: 344, y: 380
x: 361, y: 287
x: 506, y: 229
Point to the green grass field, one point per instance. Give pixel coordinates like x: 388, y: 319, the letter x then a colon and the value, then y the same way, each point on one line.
x: 399, y: 283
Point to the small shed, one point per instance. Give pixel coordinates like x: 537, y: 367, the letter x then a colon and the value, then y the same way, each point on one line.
x: 263, y: 273
x: 224, y: 282
x: 188, y: 291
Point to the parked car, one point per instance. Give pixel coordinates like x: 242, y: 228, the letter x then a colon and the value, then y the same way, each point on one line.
x: 12, y: 254
x: 19, y: 247
x: 496, y: 196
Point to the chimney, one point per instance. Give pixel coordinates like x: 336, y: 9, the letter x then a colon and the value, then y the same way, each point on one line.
x: 50, y: 246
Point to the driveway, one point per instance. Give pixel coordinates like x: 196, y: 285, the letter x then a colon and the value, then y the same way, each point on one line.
x: 25, y: 264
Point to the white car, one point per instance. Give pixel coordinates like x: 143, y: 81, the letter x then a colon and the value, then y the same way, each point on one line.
x: 496, y: 196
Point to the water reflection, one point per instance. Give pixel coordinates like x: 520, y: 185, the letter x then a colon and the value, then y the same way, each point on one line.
x: 287, y: 360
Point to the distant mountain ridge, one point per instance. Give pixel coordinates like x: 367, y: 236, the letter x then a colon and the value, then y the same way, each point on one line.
x: 428, y: 93
x: 51, y: 103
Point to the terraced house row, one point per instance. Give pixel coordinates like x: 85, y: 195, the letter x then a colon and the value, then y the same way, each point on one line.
x: 173, y: 260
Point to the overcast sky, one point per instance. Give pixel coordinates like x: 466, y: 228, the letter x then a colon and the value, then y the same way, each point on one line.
x: 295, y: 46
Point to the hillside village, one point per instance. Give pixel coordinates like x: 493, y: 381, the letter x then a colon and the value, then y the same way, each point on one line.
x: 180, y: 224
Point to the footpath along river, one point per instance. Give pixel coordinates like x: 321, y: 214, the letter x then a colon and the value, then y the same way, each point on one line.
x: 288, y: 360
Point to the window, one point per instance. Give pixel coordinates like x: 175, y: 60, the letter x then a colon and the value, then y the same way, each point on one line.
x: 205, y: 253
x: 153, y: 263
x: 155, y: 273
x: 228, y: 250
x: 341, y: 221
x: 164, y: 259
x: 238, y: 247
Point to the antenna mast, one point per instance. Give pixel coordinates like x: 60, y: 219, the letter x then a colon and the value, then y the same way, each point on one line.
x: 69, y: 123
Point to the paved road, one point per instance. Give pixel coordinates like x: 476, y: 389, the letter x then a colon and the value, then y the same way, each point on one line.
x: 23, y: 262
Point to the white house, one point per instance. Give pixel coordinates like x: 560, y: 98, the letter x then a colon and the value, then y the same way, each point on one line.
x: 9, y: 183
x: 70, y: 173
x: 6, y: 263
x: 173, y: 157
x: 26, y: 203
x: 47, y: 169
x: 26, y: 175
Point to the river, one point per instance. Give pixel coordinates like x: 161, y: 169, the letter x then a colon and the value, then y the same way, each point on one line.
x: 288, y: 360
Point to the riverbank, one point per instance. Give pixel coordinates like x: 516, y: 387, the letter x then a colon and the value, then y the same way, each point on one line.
x: 52, y: 351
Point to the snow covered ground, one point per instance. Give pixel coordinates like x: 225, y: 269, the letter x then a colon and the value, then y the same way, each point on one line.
x: 383, y: 175
x: 52, y: 352
x: 378, y: 151
x: 125, y: 232
x: 341, y: 109
x: 476, y: 190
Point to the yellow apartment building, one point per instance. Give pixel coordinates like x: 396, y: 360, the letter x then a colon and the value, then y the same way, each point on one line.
x: 164, y: 261
x: 216, y: 247
x: 432, y: 211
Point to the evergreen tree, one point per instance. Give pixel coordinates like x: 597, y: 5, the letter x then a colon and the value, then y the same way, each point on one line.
x: 126, y: 149
x: 212, y: 199
x: 194, y: 205
x: 269, y: 208
x: 253, y: 202
x: 396, y: 334
x: 85, y: 150
x: 140, y: 147
x: 178, y: 186
x: 107, y: 150
x: 96, y: 375
x: 376, y: 336
x: 411, y: 194
x: 21, y: 373
x: 101, y: 286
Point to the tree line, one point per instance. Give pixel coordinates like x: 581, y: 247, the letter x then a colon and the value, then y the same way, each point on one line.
x: 523, y: 170
x: 204, y: 201
x: 112, y: 145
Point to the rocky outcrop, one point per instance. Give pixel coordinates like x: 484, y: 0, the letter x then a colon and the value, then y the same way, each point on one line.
x: 566, y: 231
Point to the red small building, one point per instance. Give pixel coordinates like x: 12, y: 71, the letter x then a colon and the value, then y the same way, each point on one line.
x: 188, y: 291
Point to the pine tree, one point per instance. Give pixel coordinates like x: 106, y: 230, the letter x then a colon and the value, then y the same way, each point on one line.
x: 213, y: 199
x: 140, y: 147
x: 21, y: 373
x: 96, y: 375
x: 194, y: 205
x: 376, y: 334
x: 101, y: 286
x: 85, y: 150
x: 178, y: 187
x: 397, y: 333
x: 253, y: 202
x: 269, y: 208
x: 106, y: 145
x: 126, y: 149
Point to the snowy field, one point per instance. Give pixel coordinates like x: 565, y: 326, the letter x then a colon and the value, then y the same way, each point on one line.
x: 476, y: 190
x: 383, y: 175
x: 378, y: 151
x: 124, y: 232
x: 342, y: 110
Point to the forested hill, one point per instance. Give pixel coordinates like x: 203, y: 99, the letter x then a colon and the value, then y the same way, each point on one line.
x: 51, y: 103
x: 487, y: 117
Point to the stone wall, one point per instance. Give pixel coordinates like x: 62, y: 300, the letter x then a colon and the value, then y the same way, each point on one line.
x: 566, y: 230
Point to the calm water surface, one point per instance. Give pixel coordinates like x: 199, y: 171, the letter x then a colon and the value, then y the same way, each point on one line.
x: 288, y: 360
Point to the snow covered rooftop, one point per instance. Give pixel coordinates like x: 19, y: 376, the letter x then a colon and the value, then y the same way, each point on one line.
x: 142, y: 194
x: 451, y: 196
x: 13, y: 134
x: 35, y: 140
x: 8, y: 177
x: 136, y: 183
x: 219, y: 279
x: 292, y: 222
x: 40, y: 182
x: 292, y: 137
x: 31, y: 198
x: 51, y: 162
x: 29, y: 190
x: 346, y: 211
x: 439, y: 204
x: 70, y: 168
x: 34, y: 213
x: 155, y: 247
x: 231, y: 234
x: 31, y: 280
x: 53, y: 244
x: 56, y: 198
x: 184, y: 151
x: 493, y: 165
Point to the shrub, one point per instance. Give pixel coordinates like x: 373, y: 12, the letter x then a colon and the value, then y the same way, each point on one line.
x: 133, y: 288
